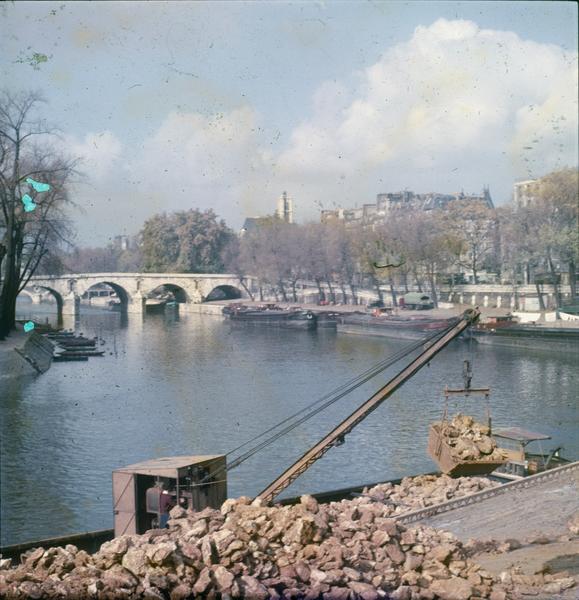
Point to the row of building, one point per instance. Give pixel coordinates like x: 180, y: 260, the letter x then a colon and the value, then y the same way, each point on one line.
x: 388, y: 203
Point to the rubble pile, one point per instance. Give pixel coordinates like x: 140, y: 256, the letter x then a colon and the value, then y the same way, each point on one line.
x: 414, y: 493
x: 470, y: 440
x: 349, y: 550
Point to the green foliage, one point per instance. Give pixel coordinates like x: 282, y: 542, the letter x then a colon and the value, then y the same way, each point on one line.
x: 191, y: 241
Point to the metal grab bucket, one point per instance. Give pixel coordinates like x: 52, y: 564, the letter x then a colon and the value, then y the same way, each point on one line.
x: 441, y: 453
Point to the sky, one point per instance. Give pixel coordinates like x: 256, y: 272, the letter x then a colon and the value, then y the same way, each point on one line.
x: 225, y: 105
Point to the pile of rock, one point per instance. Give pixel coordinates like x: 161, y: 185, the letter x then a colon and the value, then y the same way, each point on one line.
x: 349, y: 550
x: 470, y: 440
x: 414, y: 493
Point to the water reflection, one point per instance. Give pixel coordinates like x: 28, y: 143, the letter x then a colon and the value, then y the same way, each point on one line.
x: 192, y: 384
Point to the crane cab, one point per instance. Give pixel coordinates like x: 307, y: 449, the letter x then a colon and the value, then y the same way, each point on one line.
x: 144, y: 493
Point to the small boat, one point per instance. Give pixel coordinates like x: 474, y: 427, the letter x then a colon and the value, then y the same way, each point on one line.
x: 521, y: 463
x: 91, y: 352
x: 65, y: 358
x: 76, y: 342
x: 155, y: 304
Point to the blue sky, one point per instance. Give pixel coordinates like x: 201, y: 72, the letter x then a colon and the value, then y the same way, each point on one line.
x: 226, y: 104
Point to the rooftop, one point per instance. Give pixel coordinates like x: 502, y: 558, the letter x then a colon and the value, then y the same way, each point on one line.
x: 520, y: 435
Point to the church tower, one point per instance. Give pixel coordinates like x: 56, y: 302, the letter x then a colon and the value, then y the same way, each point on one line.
x: 285, y: 210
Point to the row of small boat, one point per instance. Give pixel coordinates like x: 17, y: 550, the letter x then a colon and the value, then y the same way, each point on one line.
x: 70, y: 347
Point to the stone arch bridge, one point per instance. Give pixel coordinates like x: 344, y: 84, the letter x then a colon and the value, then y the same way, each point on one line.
x: 133, y: 289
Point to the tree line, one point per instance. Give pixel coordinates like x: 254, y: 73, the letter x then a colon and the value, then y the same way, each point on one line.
x: 421, y: 249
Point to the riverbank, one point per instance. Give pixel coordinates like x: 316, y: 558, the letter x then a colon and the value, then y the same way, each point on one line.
x: 12, y: 364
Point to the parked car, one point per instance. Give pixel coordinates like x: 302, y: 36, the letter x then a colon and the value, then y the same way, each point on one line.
x: 416, y: 301
x: 376, y: 304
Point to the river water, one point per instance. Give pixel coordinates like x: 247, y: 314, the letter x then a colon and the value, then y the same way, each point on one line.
x: 195, y: 384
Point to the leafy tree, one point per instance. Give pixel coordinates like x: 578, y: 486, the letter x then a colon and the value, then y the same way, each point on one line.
x: 189, y: 241
x: 28, y: 238
x: 556, y: 212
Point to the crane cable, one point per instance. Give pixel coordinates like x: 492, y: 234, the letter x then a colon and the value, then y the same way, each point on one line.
x: 328, y: 400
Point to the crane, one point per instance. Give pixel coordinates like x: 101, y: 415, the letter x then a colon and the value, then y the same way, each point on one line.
x: 336, y: 436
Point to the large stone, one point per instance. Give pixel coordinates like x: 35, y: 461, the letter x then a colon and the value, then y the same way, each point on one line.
x: 301, y: 532
x: 181, y: 592
x: 160, y: 553
x: 364, y: 590
x: 223, y: 579
x: 222, y: 539
x: 197, y: 529
x: 32, y: 557
x: 441, y: 553
x: 208, y: 551
x: 119, y: 578
x: 395, y: 553
x: 203, y: 582
x: 380, y: 537
x: 337, y: 593
x: 252, y: 588
x: 485, y: 445
x: 454, y: 588
x: 135, y: 561
x: 309, y: 503
x: 412, y: 562
x: 117, y: 547
x: 302, y: 571
x: 404, y: 592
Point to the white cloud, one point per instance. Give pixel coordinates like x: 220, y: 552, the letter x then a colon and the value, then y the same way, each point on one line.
x: 196, y: 160
x: 453, y: 93
x: 454, y: 107
x: 98, y: 152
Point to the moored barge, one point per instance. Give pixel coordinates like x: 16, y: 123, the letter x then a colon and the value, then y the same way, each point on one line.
x: 400, y: 327
x: 272, y: 317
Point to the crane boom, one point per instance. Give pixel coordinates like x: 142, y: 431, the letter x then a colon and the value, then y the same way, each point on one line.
x: 316, y: 452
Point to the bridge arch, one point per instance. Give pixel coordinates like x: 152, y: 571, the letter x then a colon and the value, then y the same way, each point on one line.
x: 26, y: 293
x: 120, y: 291
x: 55, y: 294
x: 223, y: 292
x: 178, y: 292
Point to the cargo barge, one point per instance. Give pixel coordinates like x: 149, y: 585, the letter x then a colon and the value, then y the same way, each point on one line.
x: 400, y: 327
x: 271, y: 316
x: 530, y: 336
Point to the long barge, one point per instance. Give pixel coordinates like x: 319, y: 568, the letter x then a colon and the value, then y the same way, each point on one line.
x: 272, y: 317
x: 530, y: 336
x: 411, y: 328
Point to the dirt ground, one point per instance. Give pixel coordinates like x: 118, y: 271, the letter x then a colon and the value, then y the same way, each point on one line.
x: 556, y: 557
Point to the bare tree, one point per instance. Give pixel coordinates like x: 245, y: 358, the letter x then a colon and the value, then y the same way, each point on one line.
x: 473, y: 224
x: 32, y: 221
